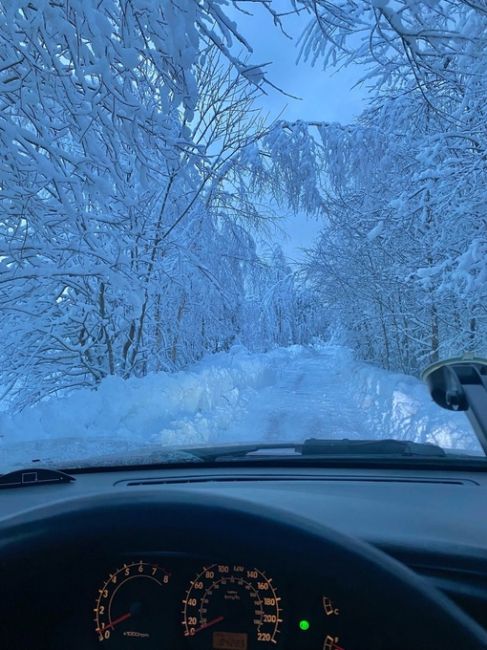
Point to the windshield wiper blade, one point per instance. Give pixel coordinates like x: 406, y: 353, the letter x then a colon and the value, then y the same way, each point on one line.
x: 322, y: 447
x: 387, y: 446
x: 212, y: 454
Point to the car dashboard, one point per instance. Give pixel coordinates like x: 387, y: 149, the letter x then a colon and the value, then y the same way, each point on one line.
x: 147, y: 596
x: 168, y: 600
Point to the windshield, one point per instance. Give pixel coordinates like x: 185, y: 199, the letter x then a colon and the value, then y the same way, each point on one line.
x: 240, y: 222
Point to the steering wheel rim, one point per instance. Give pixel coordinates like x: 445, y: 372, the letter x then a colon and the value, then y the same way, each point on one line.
x: 414, y: 614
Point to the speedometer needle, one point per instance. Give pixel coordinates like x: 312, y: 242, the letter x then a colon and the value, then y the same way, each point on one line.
x: 209, y: 624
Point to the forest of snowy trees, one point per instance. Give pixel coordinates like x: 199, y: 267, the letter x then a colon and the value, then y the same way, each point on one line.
x: 402, y: 260
x: 138, y: 178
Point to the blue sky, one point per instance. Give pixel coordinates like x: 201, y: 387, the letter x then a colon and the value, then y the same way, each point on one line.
x: 325, y: 95
x: 328, y: 96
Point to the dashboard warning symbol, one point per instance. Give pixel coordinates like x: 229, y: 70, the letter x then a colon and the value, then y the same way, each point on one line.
x: 331, y: 643
x: 329, y: 607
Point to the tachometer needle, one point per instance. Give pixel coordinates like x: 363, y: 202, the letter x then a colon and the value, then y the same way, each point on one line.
x: 209, y: 624
x: 120, y: 619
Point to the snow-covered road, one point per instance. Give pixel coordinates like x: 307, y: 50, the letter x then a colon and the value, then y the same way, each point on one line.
x: 288, y: 394
x: 311, y: 395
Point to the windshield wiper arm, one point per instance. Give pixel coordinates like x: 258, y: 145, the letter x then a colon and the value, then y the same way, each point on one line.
x: 324, y: 447
x: 387, y: 446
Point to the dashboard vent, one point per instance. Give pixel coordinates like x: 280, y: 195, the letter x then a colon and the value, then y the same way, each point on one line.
x: 259, y: 478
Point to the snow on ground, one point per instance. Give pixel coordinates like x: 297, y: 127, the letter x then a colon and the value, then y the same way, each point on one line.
x: 288, y: 394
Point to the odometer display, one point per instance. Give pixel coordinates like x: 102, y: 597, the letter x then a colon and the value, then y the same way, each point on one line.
x: 231, y: 606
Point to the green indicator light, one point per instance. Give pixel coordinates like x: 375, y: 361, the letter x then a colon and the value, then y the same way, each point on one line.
x: 304, y: 625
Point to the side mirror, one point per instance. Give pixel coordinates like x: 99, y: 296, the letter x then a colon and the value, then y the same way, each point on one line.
x: 460, y: 384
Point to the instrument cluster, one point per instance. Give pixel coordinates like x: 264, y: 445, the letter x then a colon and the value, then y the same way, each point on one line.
x: 179, y: 603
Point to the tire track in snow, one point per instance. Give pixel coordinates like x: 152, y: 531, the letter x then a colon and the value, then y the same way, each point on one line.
x: 310, y: 398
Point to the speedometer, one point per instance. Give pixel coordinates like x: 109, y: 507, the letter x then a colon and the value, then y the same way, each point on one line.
x: 231, y: 607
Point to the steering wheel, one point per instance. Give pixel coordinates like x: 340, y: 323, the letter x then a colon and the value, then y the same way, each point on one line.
x: 397, y: 609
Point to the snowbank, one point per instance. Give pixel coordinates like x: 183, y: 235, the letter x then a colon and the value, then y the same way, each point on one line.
x: 399, y: 406
x: 122, y: 415
x: 287, y: 394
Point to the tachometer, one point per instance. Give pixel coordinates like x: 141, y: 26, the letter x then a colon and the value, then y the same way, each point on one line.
x: 130, y: 605
x: 231, y: 607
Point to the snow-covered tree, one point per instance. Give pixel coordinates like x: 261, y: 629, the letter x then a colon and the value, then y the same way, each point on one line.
x: 398, y: 42
x: 405, y: 205
x: 136, y: 170
x: 127, y: 191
